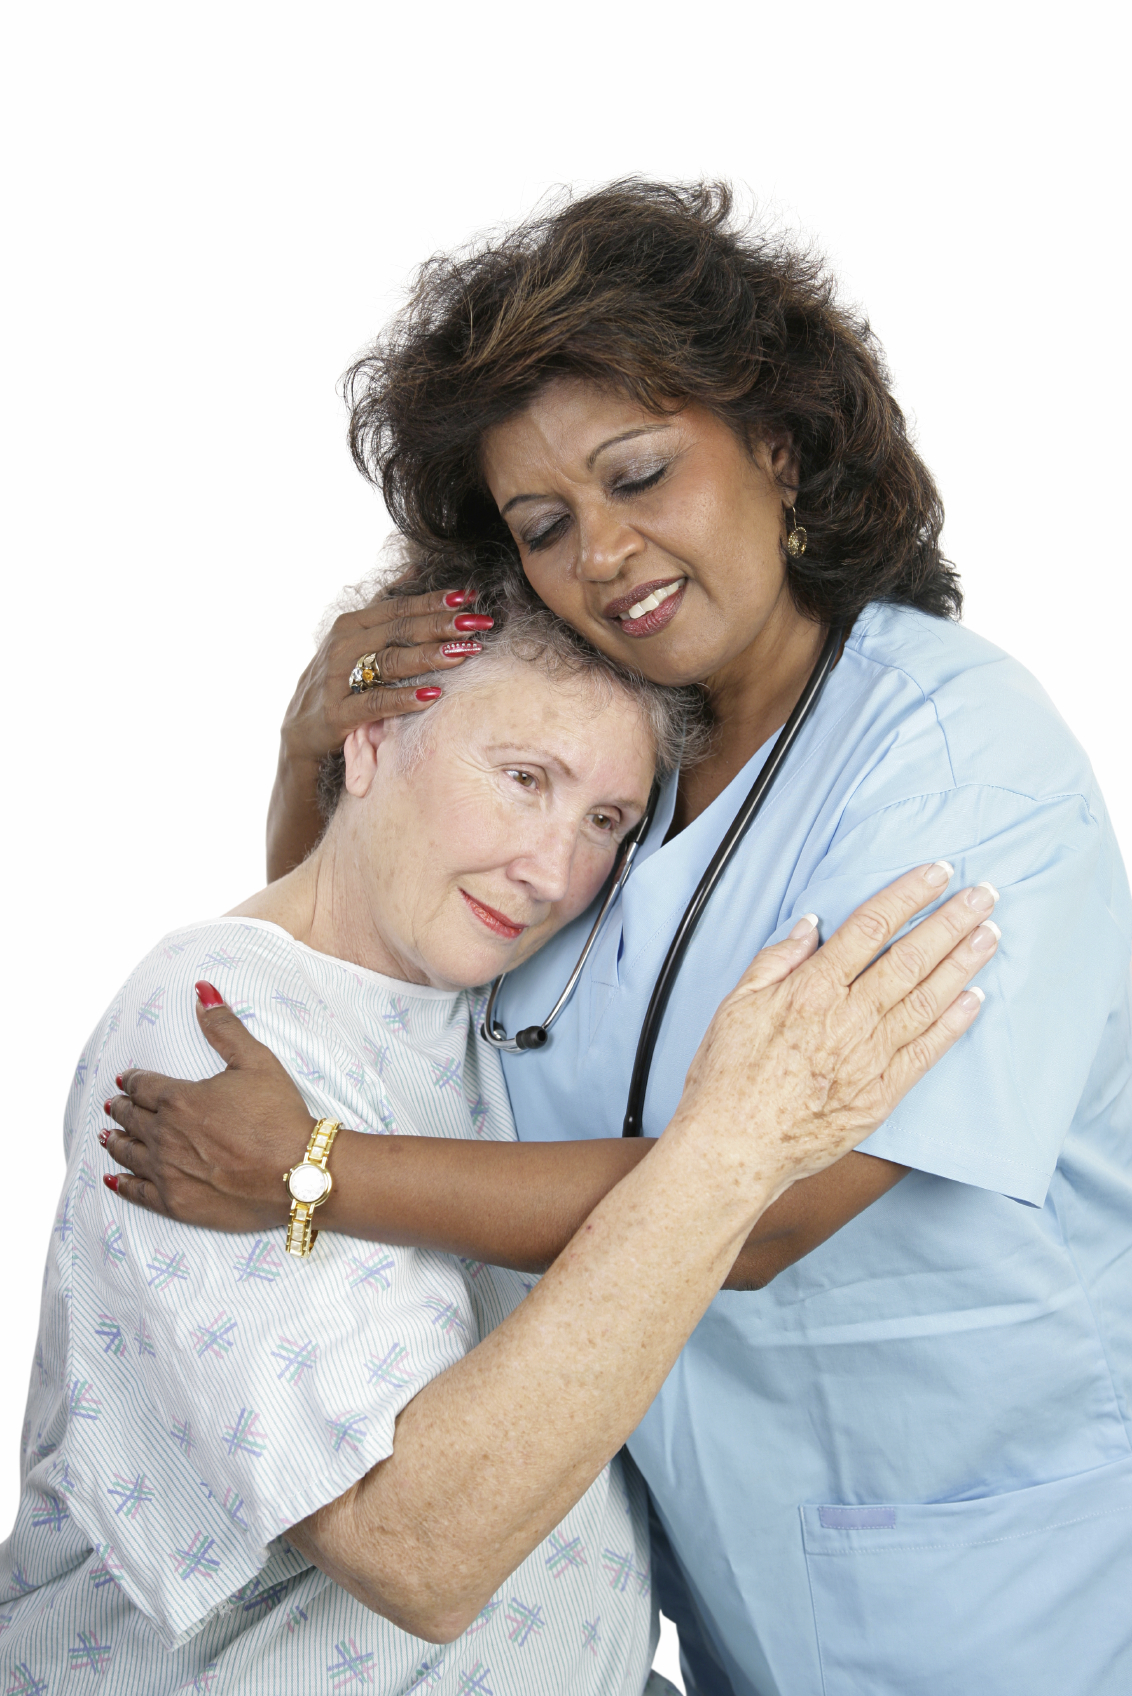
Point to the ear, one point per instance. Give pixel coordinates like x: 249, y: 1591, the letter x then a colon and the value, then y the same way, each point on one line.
x: 360, y: 749
x: 778, y: 456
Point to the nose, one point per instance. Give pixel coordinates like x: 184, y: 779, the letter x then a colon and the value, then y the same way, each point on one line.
x: 546, y: 861
x: 605, y: 542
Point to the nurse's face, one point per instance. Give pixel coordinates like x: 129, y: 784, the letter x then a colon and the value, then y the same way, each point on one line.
x: 659, y: 538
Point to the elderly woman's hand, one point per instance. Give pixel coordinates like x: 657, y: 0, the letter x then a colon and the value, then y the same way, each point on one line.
x: 411, y: 635
x: 813, y: 1050
x: 180, y: 1141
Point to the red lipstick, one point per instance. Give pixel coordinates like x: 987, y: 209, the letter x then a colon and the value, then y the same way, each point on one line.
x: 495, y: 921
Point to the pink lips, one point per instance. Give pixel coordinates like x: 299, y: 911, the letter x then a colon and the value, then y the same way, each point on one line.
x: 650, y: 622
x: 495, y: 921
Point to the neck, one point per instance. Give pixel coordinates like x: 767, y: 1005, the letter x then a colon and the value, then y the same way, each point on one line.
x: 319, y: 904
x: 751, y: 696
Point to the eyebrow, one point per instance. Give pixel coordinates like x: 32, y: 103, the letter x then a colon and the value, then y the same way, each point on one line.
x: 591, y: 458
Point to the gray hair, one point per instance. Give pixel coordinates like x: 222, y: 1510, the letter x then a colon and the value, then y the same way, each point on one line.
x: 526, y: 632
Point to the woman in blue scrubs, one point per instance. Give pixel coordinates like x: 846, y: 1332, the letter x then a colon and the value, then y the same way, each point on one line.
x: 903, y: 1464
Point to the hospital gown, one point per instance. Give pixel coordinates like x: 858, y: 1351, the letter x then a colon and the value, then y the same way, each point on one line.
x: 194, y: 1394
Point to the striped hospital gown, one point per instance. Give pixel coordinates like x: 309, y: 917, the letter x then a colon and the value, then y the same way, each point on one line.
x: 194, y: 1394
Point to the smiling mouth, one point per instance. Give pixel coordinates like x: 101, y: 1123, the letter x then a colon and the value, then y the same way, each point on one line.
x: 498, y: 923
x: 654, y: 606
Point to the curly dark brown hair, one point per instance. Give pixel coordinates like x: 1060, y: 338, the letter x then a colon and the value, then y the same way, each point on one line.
x: 662, y: 290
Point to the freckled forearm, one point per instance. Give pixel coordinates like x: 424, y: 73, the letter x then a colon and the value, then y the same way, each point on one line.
x: 479, y: 1475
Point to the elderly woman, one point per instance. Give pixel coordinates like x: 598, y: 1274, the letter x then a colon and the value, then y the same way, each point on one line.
x: 906, y: 1464
x: 278, y: 1465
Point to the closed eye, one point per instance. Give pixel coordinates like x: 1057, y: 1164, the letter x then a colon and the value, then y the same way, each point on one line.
x: 543, y: 538
x: 552, y: 532
x: 640, y: 484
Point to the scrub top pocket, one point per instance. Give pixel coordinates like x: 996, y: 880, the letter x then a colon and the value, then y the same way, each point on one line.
x: 1028, y: 1591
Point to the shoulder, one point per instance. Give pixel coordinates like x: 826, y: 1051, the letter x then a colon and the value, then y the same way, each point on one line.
x: 965, y: 713
x: 151, y: 1020
x: 160, y: 990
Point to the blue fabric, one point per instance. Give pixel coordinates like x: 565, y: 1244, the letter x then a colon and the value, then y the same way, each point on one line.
x: 962, y: 1349
x: 700, y: 1666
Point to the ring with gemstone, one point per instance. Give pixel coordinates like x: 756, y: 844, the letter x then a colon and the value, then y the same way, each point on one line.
x: 366, y: 675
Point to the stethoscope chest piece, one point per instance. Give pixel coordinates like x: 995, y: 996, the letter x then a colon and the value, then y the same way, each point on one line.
x: 534, y: 1036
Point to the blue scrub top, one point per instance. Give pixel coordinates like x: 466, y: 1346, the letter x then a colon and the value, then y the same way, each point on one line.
x: 905, y: 1466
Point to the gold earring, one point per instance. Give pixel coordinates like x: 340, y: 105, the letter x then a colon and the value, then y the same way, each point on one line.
x: 795, y: 538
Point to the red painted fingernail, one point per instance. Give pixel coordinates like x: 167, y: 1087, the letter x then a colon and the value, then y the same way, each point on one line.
x: 457, y: 650
x: 458, y: 597
x: 106, y: 1107
x: 104, y: 1137
x: 429, y: 694
x: 472, y: 621
x: 119, y: 1082
x: 207, y: 995
x: 111, y: 1180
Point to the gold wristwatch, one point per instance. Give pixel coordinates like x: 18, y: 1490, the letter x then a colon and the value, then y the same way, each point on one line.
x: 309, y: 1183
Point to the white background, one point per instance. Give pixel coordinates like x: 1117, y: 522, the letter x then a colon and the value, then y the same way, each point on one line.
x: 208, y: 209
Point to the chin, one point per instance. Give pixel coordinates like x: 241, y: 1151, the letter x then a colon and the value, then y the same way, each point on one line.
x: 470, y: 968
x: 471, y: 960
x: 669, y: 668
x: 671, y: 658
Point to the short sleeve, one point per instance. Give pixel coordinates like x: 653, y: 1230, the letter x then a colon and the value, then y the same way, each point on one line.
x: 218, y: 1390
x: 995, y: 1110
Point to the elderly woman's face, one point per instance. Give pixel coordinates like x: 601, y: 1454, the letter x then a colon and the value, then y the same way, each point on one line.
x: 659, y: 539
x: 468, y: 857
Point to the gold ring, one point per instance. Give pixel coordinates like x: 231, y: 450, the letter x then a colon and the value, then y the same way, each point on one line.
x: 366, y: 675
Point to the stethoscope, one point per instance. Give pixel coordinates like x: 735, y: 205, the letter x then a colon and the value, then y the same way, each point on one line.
x: 534, y: 1036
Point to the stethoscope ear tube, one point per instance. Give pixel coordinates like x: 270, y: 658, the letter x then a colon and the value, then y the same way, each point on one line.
x: 736, y: 831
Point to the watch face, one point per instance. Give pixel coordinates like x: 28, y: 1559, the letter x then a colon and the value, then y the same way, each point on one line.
x: 308, y: 1182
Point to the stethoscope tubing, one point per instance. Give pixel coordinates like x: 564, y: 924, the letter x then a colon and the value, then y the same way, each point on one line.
x: 535, y: 1036
x: 738, y: 828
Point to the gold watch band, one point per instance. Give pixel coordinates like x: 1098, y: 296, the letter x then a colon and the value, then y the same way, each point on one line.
x: 300, y: 1229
